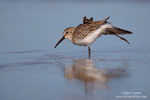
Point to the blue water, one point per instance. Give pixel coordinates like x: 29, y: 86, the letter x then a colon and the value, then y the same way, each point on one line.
x: 32, y: 69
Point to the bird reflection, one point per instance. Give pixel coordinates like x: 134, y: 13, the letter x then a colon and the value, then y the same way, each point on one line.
x: 86, y: 71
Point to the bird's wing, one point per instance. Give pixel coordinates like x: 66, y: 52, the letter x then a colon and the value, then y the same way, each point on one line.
x: 87, y: 21
x: 117, y: 31
x: 82, y: 30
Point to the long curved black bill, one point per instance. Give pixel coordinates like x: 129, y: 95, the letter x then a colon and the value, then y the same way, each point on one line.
x: 59, y: 41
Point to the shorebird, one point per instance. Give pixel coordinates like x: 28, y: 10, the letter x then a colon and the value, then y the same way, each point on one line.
x: 85, y: 34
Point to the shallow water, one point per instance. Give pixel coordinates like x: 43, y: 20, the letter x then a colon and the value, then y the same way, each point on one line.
x: 45, y: 75
x: 31, y: 69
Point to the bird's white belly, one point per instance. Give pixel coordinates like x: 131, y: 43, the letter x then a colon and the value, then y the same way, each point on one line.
x: 89, y: 39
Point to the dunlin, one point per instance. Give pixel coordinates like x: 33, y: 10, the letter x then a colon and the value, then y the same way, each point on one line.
x: 85, y: 34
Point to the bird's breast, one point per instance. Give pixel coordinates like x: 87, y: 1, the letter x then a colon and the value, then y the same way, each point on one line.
x: 91, y: 37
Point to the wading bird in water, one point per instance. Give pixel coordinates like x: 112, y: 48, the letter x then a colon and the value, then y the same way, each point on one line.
x: 85, y: 34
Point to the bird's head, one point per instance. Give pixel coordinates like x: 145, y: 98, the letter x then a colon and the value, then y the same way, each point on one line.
x: 67, y: 34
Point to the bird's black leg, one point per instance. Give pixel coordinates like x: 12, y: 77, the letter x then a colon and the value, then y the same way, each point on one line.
x: 89, y: 52
x: 122, y: 38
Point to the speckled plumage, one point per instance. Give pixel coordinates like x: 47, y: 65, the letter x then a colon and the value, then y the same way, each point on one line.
x: 82, y: 30
x: 85, y: 34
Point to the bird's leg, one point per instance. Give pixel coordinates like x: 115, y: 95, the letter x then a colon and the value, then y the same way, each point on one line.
x: 122, y: 38
x: 89, y: 50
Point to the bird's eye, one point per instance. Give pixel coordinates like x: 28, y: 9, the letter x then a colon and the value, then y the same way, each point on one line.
x: 67, y: 32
